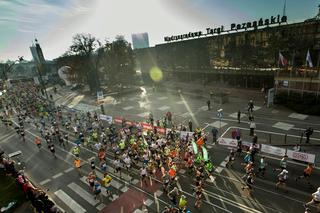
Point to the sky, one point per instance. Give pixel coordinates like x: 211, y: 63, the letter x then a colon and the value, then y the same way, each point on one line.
x: 54, y: 22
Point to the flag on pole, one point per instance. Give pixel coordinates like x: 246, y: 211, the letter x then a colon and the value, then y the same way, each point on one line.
x: 308, y: 59
x: 282, y: 60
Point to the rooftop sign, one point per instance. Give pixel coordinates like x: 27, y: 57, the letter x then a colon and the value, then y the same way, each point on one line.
x: 233, y: 27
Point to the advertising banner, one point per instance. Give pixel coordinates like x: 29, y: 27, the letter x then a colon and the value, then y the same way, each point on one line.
x: 273, y: 150
x: 228, y: 142
x: 301, y: 156
x: 106, y: 118
x: 117, y: 120
x: 183, y: 134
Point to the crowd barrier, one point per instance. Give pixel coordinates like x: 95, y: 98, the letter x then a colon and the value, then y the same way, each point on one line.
x: 272, y: 150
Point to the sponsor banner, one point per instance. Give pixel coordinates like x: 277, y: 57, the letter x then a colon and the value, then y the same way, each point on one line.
x: 228, y: 142
x: 117, y: 120
x: 106, y: 118
x: 146, y: 126
x: 248, y: 144
x: 301, y: 156
x: 273, y: 150
x: 161, y: 130
x: 129, y: 123
x: 183, y: 134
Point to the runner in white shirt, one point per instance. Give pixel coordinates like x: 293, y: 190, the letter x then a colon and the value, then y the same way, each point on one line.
x: 315, y: 200
x: 117, y: 166
x: 143, y: 175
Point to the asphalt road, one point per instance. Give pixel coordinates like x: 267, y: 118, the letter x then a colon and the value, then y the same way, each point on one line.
x: 223, y: 195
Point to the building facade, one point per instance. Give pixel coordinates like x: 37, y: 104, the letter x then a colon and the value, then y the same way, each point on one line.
x: 241, y: 57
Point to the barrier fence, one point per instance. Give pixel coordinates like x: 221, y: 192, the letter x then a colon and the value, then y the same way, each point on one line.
x: 271, y: 150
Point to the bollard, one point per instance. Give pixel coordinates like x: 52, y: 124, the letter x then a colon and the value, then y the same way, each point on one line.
x: 269, y: 138
x: 285, y: 139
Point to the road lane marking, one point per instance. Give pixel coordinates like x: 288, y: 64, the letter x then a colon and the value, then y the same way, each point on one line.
x: 283, y: 126
x: 148, y: 202
x: 72, y: 204
x: 101, y: 206
x: 45, y: 181
x: 68, y: 170
x: 83, y: 193
x: 57, y: 175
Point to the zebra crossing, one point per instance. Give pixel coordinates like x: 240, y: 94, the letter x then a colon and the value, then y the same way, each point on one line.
x: 78, y: 197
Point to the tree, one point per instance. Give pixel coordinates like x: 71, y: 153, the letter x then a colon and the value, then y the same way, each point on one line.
x: 83, y: 46
x: 119, y: 61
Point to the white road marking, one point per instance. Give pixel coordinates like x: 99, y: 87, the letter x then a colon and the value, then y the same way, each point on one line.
x: 124, y: 189
x: 135, y: 181
x: 101, y: 206
x: 203, y: 108
x: 159, y: 193
x: 162, y: 98
x: 209, y: 146
x: 45, y: 181
x: 148, y: 202
x: 57, y: 175
x: 127, y: 108
x: 283, y: 126
x: 164, y: 108
x: 138, y: 211
x: 216, y: 124
x: 255, y: 108
x: 179, y: 102
x: 218, y: 169
x: 83, y: 193
x: 114, y: 197
x: 68, y: 170
x: 235, y: 115
x: 73, y: 205
x: 298, y: 116
x: 144, y: 114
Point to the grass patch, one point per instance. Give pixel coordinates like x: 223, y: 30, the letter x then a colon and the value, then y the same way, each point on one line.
x: 9, y: 191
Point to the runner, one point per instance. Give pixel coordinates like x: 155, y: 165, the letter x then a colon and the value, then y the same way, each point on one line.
x: 262, y: 166
x: 306, y: 174
x: 282, y: 179
x: 106, y: 181
x: 77, y: 165
x: 37, y: 141
x: 248, y: 184
x: 231, y: 158
x: 315, y: 200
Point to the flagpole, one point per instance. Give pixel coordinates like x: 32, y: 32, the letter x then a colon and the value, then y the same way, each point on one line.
x: 277, y: 76
x: 289, y: 83
x: 318, y: 73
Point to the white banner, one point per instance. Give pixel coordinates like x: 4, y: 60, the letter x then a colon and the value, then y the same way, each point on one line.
x: 248, y: 144
x: 106, y: 118
x: 183, y: 134
x: 228, y: 142
x: 301, y: 156
x: 273, y: 150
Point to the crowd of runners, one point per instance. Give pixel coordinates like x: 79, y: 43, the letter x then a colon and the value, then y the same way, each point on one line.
x: 156, y: 155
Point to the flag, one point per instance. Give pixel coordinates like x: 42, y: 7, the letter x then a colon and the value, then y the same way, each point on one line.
x: 308, y: 59
x: 282, y: 60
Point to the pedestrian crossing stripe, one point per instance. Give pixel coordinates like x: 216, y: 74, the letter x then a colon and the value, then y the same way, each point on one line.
x: 148, y: 202
x: 127, y: 108
x: 72, y: 204
x: 235, y: 115
x: 83, y: 193
x: 255, y: 108
x: 216, y: 124
x: 180, y: 102
x: 283, y: 126
x: 203, y: 108
x: 124, y: 189
x: 162, y: 98
x: 101, y: 206
x: 163, y: 108
x: 298, y: 116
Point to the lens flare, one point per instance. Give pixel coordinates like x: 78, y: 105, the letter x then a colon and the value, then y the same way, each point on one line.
x: 156, y: 74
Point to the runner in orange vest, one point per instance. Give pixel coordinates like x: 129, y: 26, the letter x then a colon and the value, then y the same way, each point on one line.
x: 306, y: 173
x: 37, y: 141
x: 77, y: 164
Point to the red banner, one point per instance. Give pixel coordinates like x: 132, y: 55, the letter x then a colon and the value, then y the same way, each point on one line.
x: 146, y: 126
x: 118, y: 120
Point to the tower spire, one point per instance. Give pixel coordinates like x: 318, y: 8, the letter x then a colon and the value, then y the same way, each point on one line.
x: 284, y: 8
